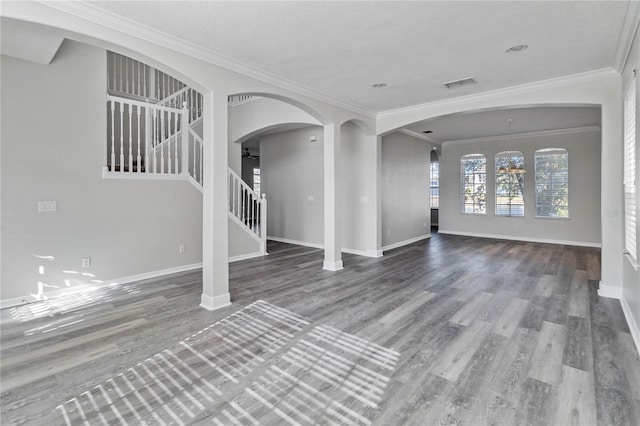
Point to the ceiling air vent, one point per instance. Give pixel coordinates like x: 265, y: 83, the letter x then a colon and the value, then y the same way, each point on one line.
x: 458, y: 83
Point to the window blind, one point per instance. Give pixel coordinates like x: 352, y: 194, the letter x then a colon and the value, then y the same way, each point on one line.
x: 552, y: 182
x: 630, y: 188
x: 509, y: 186
x: 473, y: 184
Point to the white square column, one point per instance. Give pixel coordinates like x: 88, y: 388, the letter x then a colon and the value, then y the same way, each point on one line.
x: 215, y: 225
x: 332, y: 198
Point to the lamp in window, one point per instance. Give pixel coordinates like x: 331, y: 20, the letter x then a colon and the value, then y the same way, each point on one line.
x: 512, y: 167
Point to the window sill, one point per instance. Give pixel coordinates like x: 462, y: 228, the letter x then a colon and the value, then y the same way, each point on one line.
x: 631, y: 260
x: 551, y: 218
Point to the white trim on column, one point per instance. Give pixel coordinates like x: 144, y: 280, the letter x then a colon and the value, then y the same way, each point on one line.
x: 332, y: 266
x: 216, y: 302
x: 612, y: 291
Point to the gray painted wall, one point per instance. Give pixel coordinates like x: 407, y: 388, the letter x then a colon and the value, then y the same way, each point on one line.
x: 292, y: 179
x: 356, y: 184
x: 240, y: 242
x: 406, y: 214
x: 53, y: 143
x: 583, y: 227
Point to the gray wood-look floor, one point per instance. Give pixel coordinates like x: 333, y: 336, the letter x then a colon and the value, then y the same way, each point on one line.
x: 451, y: 330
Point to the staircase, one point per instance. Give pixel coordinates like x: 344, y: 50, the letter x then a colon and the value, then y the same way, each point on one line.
x: 154, y: 131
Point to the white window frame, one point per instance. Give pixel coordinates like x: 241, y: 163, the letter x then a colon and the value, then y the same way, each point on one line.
x: 630, y: 175
x: 434, y: 176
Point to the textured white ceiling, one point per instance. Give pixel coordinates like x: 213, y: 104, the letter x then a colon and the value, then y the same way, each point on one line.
x: 340, y: 48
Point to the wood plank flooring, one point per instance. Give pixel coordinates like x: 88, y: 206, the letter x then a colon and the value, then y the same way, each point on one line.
x: 450, y: 330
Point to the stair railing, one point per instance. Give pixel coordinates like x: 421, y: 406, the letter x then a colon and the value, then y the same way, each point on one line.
x: 248, y: 207
x: 138, y: 132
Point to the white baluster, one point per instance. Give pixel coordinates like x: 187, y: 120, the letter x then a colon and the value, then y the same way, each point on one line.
x: 161, y: 141
x: 195, y: 176
x: 126, y: 74
x: 138, y: 78
x: 144, y: 80
x: 175, y: 138
x: 113, y: 137
x: 130, y: 139
x: 251, y: 211
x: 147, y: 140
x: 185, y: 139
x: 263, y: 224
x: 139, y: 158
x: 201, y: 153
x: 168, y: 135
x: 155, y: 143
x: 122, y: 137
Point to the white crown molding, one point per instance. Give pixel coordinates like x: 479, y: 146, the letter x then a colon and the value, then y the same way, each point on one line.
x: 89, y: 12
x: 507, y: 91
x: 420, y: 136
x: 627, y: 33
x: 517, y: 136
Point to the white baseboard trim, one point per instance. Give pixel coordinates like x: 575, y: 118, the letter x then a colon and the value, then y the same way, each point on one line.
x: 633, y: 325
x: 611, y: 291
x: 215, y: 302
x: 332, y: 266
x: 15, y: 301
x: 245, y: 256
x: 298, y: 243
x: 525, y: 239
x: 406, y: 242
x: 366, y: 253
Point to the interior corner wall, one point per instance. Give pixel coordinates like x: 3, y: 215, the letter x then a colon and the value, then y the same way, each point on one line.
x: 291, y: 168
x: 53, y: 143
x: 358, y: 165
x: 583, y: 226
x: 630, y: 275
x: 405, y: 189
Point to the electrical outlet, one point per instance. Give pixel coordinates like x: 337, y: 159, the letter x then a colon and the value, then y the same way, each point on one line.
x: 47, y: 206
x: 182, y: 248
x: 86, y: 262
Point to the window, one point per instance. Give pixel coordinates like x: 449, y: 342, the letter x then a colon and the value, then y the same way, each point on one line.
x: 552, y: 183
x: 630, y: 188
x: 509, y: 186
x: 434, y: 186
x: 256, y: 180
x: 473, y: 184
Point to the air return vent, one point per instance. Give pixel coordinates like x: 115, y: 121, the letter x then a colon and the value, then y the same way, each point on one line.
x: 458, y: 83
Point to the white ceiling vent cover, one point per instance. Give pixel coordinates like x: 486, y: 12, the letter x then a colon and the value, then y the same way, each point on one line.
x: 458, y: 83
